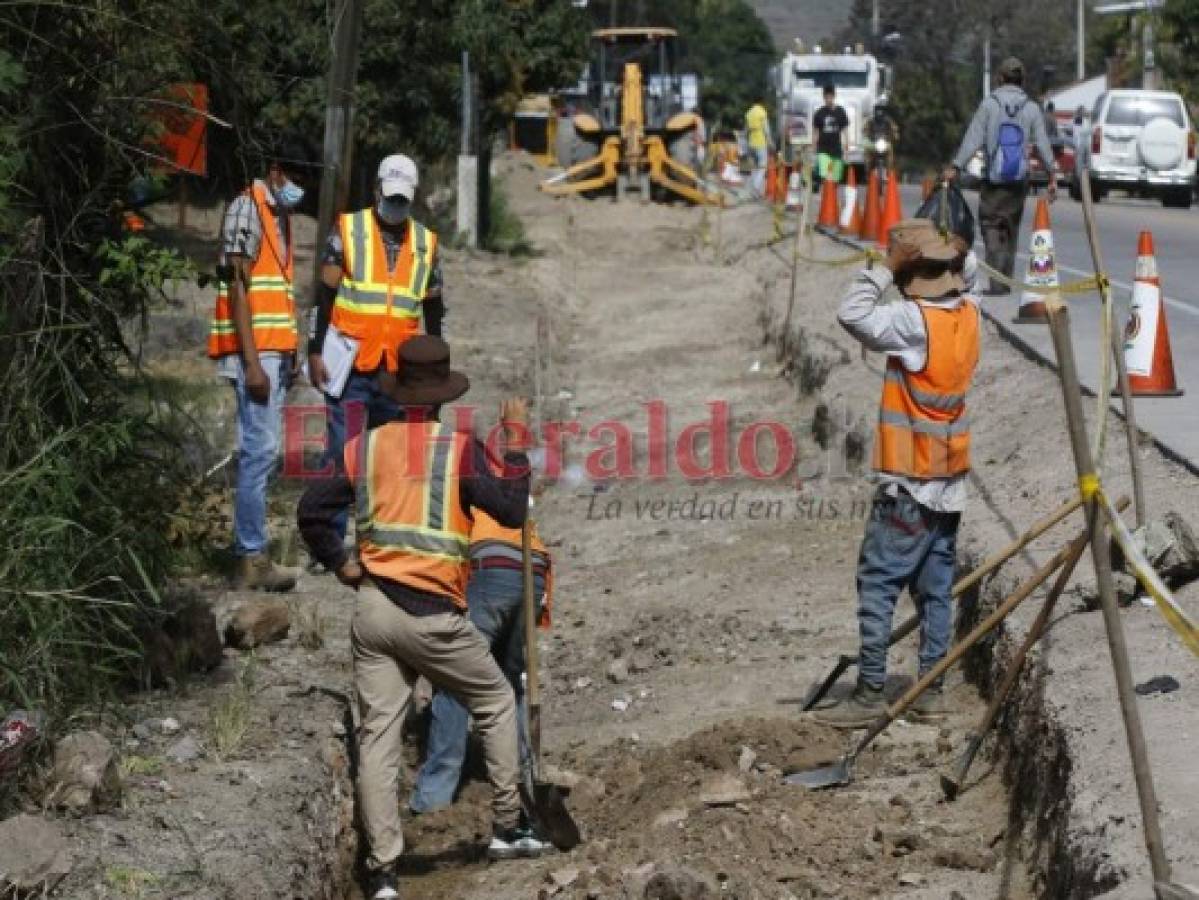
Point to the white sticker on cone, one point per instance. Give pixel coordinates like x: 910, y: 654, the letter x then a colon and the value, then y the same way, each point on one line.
x: 1140, y: 334
x: 851, y: 200
x: 1042, y: 266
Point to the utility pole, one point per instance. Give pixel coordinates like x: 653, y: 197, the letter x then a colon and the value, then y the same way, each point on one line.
x: 1080, y: 29
x: 875, y: 27
x: 468, y: 162
x: 987, y: 64
x: 339, y: 124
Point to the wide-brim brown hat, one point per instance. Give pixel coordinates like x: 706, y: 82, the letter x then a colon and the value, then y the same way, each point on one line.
x: 424, y: 377
x: 937, y: 271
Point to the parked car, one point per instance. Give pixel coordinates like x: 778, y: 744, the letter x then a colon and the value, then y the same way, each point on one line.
x: 1142, y: 142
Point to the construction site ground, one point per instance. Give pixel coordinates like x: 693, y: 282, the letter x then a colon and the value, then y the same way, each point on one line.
x: 692, y: 615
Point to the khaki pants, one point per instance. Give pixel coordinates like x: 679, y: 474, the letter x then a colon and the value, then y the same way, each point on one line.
x: 391, y: 650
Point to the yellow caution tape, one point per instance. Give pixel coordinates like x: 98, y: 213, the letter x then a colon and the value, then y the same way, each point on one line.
x: 1149, y: 579
x: 1088, y: 485
x: 1081, y: 286
x: 841, y: 261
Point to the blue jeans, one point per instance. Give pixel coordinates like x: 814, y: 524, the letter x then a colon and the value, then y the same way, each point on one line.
x: 258, y: 427
x: 361, y: 401
x: 905, y: 545
x: 494, y: 601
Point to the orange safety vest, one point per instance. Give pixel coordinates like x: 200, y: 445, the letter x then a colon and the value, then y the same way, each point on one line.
x: 923, y: 428
x: 490, y: 539
x: 378, y: 306
x: 272, y: 302
x: 411, y: 526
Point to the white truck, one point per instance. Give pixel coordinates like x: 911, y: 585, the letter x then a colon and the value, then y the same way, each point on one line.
x: 799, y: 82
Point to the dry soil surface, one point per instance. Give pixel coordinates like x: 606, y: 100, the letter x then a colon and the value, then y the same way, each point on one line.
x: 695, y: 606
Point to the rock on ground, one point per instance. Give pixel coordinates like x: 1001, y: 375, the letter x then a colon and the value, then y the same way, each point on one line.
x: 257, y: 622
x: 86, y: 775
x: 34, y: 855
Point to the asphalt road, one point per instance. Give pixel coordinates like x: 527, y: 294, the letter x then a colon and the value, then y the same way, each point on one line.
x: 1173, y: 421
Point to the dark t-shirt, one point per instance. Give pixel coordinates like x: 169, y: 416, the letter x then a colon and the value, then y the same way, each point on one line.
x: 828, y: 124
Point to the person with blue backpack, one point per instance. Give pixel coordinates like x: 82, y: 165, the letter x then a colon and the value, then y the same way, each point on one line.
x: 1004, y: 125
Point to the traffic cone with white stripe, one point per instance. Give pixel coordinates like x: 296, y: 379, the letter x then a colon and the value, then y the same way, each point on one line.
x: 892, y: 212
x: 849, y: 202
x: 830, y: 214
x: 1146, y: 338
x: 1042, y: 269
x: 869, y: 230
x: 794, y: 191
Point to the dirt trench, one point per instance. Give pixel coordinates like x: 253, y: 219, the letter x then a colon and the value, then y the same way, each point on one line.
x: 695, y: 611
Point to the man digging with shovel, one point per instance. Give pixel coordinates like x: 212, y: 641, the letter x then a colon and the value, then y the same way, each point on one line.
x: 921, y: 454
x: 414, y: 483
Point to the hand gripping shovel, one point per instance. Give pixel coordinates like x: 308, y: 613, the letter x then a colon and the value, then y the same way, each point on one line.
x: 821, y: 689
x: 841, y: 773
x: 545, y: 802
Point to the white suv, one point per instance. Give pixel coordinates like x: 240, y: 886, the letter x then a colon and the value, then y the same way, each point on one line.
x: 1142, y: 142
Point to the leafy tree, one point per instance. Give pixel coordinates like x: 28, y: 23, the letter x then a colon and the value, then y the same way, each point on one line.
x: 939, y: 61
x: 1180, y: 54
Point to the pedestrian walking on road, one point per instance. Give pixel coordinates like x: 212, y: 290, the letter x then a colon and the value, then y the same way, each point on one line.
x: 921, y: 453
x: 1005, y: 124
x: 414, y: 483
x: 380, y: 280
x: 831, y: 124
x: 252, y: 337
x: 757, y: 137
x: 494, y: 599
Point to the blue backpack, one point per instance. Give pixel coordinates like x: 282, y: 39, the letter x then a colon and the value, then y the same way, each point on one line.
x: 1008, y: 163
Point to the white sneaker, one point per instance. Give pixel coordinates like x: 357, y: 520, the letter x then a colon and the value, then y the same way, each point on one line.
x: 520, y: 842
x: 383, y: 886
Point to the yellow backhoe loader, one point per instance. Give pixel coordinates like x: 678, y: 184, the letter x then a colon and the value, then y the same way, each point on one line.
x: 639, y: 133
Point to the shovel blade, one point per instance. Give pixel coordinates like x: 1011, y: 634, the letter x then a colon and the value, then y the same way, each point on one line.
x: 546, y: 805
x: 836, y: 775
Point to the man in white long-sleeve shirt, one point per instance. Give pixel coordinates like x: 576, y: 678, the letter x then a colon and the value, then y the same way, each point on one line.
x: 921, y: 452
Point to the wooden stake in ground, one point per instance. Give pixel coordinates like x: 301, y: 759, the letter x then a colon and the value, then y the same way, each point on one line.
x: 1130, y: 419
x: 1059, y: 327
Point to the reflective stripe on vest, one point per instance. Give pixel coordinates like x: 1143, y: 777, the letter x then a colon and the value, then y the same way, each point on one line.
x: 269, y: 293
x: 923, y: 427
x: 378, y: 305
x: 411, y: 527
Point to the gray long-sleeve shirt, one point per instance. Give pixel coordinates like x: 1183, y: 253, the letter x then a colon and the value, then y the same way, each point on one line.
x: 898, y: 330
x: 984, y: 127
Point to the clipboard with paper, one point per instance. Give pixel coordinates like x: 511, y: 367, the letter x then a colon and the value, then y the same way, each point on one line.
x: 338, y: 354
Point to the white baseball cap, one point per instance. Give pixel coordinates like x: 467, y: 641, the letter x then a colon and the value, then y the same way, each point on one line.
x: 397, y: 175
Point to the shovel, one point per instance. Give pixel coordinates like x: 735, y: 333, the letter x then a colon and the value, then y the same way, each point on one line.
x: 844, y: 662
x: 546, y: 802
x: 841, y: 773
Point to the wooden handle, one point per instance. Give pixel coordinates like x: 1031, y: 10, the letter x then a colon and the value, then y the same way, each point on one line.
x: 958, y: 650
x: 533, y: 688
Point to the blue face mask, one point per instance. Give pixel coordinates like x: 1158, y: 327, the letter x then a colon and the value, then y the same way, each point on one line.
x: 289, y: 195
x: 393, y: 210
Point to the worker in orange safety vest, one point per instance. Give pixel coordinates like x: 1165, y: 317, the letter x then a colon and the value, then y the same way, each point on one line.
x: 495, y: 604
x: 921, y: 453
x: 380, y: 282
x: 252, y: 336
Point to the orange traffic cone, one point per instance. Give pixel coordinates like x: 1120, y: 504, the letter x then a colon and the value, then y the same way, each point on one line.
x: 869, y: 229
x: 771, y: 175
x: 1042, y: 269
x: 794, y: 193
x: 780, y: 183
x: 1146, y: 337
x: 849, y: 202
x: 830, y: 215
x: 892, y: 209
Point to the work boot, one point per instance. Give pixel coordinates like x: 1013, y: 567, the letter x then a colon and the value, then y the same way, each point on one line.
x: 520, y: 841
x: 258, y: 573
x: 929, y: 706
x: 382, y: 885
x: 860, y: 710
